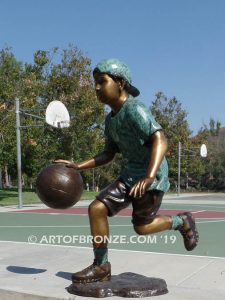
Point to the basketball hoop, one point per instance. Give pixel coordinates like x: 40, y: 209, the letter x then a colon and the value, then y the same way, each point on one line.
x: 203, y: 150
x: 57, y: 115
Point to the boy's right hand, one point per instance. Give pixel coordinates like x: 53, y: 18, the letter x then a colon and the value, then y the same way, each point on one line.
x: 68, y: 163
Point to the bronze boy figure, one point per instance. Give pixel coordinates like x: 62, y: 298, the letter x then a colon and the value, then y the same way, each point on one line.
x: 131, y: 130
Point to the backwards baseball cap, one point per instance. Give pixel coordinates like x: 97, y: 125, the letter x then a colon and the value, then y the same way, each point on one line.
x: 119, y: 69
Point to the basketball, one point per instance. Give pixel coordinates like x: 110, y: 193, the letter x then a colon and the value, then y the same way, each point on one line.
x: 58, y: 186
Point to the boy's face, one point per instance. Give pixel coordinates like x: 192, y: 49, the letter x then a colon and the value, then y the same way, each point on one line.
x: 107, y: 90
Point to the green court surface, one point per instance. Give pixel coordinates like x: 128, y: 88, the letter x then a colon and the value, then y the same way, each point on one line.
x: 73, y: 229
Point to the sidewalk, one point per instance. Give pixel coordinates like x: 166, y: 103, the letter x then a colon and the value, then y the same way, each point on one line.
x: 42, y: 272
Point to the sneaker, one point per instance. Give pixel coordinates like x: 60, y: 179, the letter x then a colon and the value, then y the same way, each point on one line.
x: 93, y: 273
x: 189, y: 231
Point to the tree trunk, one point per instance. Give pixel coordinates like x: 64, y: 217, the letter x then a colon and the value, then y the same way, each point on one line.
x: 0, y: 178
x: 6, y: 176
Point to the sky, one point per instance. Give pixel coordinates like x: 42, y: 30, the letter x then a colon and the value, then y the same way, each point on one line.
x: 173, y: 46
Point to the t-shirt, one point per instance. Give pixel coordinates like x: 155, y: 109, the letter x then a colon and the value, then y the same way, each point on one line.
x: 128, y: 132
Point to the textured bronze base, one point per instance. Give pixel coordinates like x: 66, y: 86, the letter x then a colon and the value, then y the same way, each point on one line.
x: 129, y: 285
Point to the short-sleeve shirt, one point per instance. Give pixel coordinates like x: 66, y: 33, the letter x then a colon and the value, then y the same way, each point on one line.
x: 128, y: 132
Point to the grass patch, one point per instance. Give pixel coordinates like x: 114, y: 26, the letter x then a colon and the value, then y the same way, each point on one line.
x: 10, y: 197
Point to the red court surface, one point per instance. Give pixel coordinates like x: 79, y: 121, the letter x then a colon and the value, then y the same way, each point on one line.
x: 203, y: 214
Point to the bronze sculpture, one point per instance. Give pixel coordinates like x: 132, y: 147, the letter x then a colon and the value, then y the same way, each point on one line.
x: 131, y: 130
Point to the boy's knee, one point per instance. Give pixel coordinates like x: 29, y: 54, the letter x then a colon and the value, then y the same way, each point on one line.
x: 97, y: 208
x: 141, y: 229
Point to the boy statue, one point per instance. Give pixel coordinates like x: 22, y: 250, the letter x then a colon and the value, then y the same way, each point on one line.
x: 131, y: 130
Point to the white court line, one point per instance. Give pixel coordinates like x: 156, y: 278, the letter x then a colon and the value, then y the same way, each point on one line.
x: 120, y: 250
x: 214, y: 221
x: 210, y: 218
x: 38, y: 213
x: 194, y: 273
x: 216, y: 206
x: 55, y: 226
x: 199, y: 211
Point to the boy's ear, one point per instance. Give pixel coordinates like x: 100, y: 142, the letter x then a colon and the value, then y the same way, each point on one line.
x: 122, y: 83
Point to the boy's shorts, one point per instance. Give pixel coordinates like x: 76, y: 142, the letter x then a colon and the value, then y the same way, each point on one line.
x: 116, y: 197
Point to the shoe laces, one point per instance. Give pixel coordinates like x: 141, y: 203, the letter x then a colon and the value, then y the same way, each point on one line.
x: 91, y: 266
x: 184, y: 233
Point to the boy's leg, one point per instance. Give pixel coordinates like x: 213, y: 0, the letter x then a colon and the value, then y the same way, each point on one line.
x: 144, y: 214
x: 100, y: 270
x: 110, y: 201
x: 146, y: 222
x: 98, y: 218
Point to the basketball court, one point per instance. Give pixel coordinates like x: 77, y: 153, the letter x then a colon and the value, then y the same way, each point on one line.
x: 41, y: 247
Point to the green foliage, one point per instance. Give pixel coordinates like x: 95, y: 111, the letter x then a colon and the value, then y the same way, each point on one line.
x: 173, y: 119
x: 10, y: 80
x: 214, y: 164
x: 41, y: 58
x: 54, y: 75
x: 10, y: 76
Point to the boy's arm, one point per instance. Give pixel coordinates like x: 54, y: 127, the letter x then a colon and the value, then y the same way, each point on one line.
x: 98, y: 160
x: 158, y: 150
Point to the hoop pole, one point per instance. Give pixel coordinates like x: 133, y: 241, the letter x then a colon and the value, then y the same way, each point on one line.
x: 18, y: 148
x: 179, y: 168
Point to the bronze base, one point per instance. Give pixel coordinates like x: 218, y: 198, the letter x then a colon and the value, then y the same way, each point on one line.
x: 128, y: 285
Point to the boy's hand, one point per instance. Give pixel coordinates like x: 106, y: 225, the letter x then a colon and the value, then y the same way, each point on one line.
x: 68, y: 163
x: 140, y: 187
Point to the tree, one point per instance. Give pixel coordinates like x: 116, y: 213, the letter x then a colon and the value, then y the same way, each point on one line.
x: 54, y: 75
x: 173, y: 119
x: 69, y: 80
x: 10, y: 81
x: 214, y: 164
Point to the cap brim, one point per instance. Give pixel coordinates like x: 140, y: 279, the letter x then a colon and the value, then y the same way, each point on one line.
x: 133, y: 91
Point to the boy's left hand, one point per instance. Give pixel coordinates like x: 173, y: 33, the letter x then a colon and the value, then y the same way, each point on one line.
x: 140, y: 187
